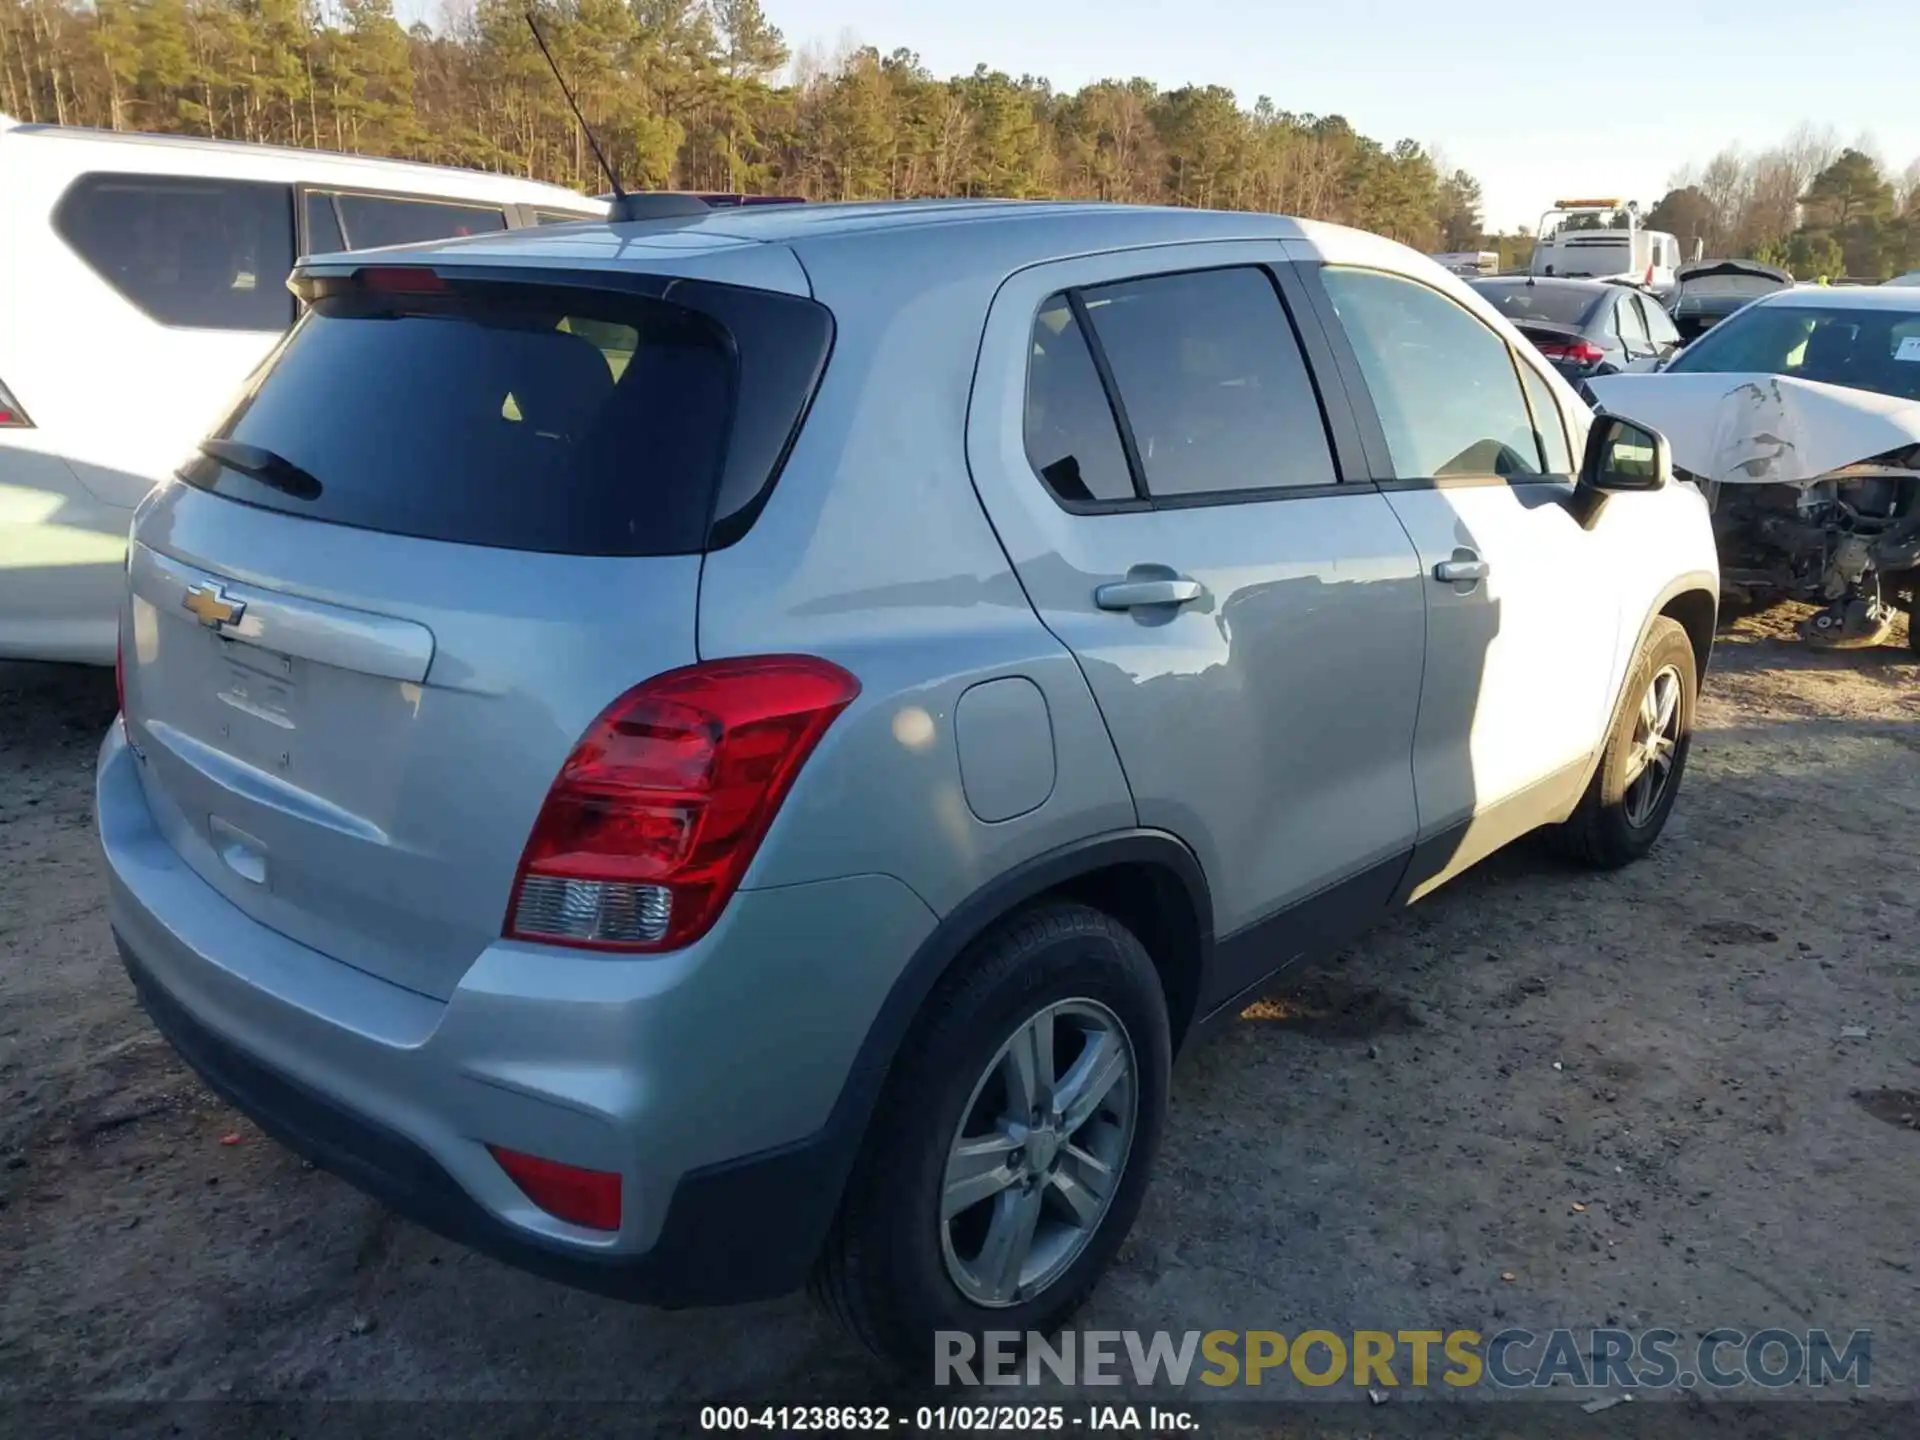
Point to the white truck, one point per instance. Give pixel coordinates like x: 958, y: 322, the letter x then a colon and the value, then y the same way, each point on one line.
x: 1578, y: 240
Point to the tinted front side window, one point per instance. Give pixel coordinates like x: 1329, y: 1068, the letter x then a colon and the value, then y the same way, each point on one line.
x: 1212, y: 383
x: 1442, y: 382
x: 374, y: 220
x: 1548, y: 423
x: 1072, y: 440
x: 197, y: 254
x: 560, y: 421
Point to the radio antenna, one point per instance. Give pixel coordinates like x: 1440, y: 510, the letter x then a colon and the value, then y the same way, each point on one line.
x: 613, y: 175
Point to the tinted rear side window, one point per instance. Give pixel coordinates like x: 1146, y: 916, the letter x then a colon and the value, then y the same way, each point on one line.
x: 535, y: 418
x: 192, y: 253
x: 374, y: 220
x: 1212, y: 383
x: 1072, y: 440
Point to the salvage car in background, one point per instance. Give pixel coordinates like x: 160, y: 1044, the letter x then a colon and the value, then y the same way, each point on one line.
x: 1801, y: 414
x: 1583, y: 327
x: 1707, y: 292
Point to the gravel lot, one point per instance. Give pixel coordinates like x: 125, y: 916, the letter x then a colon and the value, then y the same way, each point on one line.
x: 1675, y: 1048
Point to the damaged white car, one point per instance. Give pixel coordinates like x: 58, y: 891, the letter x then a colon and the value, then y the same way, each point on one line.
x: 1800, y: 418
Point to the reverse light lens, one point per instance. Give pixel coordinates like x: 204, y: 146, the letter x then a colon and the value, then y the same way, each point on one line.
x: 656, y: 814
x: 566, y: 1192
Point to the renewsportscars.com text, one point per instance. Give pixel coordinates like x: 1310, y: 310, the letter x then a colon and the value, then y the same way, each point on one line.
x: 1508, y: 1359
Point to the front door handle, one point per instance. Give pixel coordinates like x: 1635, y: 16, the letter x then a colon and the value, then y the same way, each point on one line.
x: 1128, y: 594
x: 1462, y: 571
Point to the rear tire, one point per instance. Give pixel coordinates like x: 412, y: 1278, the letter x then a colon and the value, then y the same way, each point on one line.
x: 910, y: 1253
x: 1634, y: 786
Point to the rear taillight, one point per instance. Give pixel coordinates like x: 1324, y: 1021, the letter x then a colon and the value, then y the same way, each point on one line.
x: 1574, y: 352
x: 584, y: 1197
x: 12, y: 417
x: 660, y: 807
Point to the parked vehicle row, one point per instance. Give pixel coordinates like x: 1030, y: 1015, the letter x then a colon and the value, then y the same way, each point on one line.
x: 1777, y: 375
x: 1843, y: 533
x: 748, y: 753
x: 1707, y: 293
x: 142, y: 278
x: 1584, y: 327
x: 1801, y: 414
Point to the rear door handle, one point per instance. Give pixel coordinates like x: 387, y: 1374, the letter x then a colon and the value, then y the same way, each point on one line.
x: 1128, y: 594
x: 1453, y: 572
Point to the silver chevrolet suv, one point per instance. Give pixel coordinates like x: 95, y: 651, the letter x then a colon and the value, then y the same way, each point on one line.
x: 706, y: 754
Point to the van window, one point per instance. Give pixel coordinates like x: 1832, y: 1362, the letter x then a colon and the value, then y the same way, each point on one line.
x: 374, y: 220
x: 323, y: 226
x: 193, y: 253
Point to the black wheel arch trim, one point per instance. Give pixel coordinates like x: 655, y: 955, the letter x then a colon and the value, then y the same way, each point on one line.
x: 1704, y: 582
x: 811, y: 1174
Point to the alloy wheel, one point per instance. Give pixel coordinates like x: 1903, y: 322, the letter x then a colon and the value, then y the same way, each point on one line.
x: 1039, y: 1153
x: 1654, y: 748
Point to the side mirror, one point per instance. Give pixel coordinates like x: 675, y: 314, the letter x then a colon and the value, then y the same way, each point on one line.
x: 1621, y: 456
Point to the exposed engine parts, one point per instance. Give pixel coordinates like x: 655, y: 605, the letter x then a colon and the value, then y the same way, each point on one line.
x: 1797, y: 513
x: 1851, y: 542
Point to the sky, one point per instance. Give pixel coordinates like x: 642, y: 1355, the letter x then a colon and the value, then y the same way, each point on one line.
x: 1535, y: 108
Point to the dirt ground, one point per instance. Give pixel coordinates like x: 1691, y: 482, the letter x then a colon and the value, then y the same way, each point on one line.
x: 1714, y: 1053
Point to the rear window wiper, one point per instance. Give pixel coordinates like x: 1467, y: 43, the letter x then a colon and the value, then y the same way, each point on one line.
x: 258, y: 463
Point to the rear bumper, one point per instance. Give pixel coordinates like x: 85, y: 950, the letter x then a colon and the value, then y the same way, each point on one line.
x: 708, y: 1079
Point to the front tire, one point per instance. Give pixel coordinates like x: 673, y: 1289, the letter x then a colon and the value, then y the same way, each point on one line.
x: 1634, y: 787
x: 1012, y: 1145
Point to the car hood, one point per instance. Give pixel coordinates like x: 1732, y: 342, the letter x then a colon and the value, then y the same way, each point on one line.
x: 1762, y: 429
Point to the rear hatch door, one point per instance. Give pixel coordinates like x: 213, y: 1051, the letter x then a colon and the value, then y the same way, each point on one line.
x: 447, y: 525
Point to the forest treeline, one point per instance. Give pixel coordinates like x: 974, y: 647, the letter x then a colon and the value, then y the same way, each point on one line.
x: 701, y: 95
x: 1809, y: 204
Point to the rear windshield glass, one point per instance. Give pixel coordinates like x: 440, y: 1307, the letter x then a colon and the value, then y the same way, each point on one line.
x: 560, y: 420
x: 1552, y: 304
x: 1866, y: 349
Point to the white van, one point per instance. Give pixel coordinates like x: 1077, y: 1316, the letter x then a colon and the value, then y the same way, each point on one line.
x: 1568, y: 247
x: 142, y: 279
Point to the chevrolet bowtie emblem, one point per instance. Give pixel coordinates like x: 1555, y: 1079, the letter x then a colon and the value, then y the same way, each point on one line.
x: 211, y: 607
